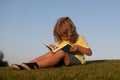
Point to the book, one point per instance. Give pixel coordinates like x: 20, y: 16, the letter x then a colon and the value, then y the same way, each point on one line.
x: 65, y: 48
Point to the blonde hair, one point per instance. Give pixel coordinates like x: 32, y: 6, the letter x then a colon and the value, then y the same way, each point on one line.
x: 65, y: 26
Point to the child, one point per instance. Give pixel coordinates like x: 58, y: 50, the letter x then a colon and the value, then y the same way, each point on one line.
x: 64, y: 33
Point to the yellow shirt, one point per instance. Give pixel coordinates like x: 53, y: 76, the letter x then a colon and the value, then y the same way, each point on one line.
x: 81, y: 42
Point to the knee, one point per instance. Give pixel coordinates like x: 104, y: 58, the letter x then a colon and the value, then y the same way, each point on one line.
x: 50, y: 53
x: 60, y: 51
x: 67, y: 60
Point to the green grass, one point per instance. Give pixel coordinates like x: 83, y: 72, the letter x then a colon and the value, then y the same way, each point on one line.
x: 93, y: 70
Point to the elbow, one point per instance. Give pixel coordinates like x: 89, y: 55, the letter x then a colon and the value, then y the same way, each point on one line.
x: 89, y: 53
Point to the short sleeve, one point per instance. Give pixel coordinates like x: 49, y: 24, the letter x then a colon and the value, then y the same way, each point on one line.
x: 82, y: 42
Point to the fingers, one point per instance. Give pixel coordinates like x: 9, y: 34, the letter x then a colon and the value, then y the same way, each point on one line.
x: 72, y: 49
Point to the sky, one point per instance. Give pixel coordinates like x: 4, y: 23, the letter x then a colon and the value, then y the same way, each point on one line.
x: 25, y: 25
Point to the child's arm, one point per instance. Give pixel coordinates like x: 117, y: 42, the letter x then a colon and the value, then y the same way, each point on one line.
x: 86, y: 51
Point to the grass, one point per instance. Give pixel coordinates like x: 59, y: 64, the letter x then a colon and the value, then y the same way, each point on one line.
x: 93, y: 70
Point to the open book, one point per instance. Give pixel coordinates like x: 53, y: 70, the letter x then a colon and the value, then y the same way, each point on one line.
x: 65, y: 48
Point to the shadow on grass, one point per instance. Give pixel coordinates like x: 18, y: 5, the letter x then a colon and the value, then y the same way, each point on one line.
x: 95, y: 61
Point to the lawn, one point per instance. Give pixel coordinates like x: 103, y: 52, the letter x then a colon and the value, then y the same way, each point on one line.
x: 93, y: 70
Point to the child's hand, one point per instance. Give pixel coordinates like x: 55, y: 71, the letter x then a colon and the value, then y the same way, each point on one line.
x: 52, y: 45
x: 74, y: 48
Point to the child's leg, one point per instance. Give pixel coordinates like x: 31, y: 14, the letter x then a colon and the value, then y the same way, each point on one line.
x: 54, y: 59
x: 49, y: 54
x: 66, y: 59
x: 48, y: 61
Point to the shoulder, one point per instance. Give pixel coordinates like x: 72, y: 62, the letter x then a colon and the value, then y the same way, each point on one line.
x: 80, y: 36
x: 82, y: 42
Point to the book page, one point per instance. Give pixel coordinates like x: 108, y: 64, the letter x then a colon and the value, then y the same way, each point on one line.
x: 49, y: 47
x: 65, y: 47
